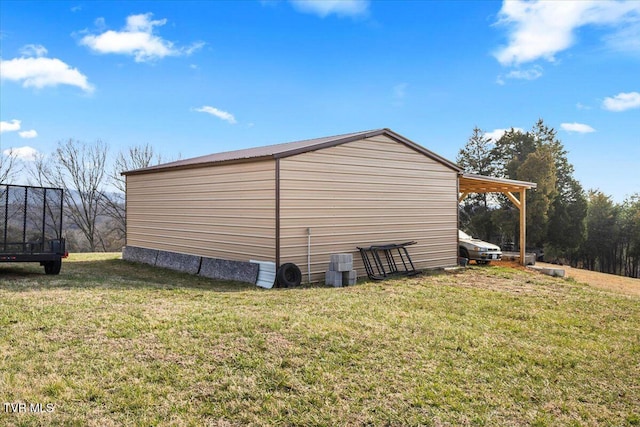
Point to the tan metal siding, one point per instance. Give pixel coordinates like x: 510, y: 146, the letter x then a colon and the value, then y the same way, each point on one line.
x: 224, y: 211
x: 362, y: 193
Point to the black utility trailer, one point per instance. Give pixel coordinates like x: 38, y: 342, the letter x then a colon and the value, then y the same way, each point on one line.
x: 31, y: 218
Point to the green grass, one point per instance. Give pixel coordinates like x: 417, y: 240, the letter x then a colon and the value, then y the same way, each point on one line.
x: 113, y: 343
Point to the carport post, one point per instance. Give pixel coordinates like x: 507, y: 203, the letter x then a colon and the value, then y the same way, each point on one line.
x: 521, y: 204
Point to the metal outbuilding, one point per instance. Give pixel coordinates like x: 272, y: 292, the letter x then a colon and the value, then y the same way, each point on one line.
x: 299, y: 202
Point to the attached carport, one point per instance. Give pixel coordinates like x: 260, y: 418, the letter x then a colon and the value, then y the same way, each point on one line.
x: 471, y: 183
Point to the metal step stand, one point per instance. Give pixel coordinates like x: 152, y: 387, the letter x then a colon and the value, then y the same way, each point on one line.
x: 380, y: 261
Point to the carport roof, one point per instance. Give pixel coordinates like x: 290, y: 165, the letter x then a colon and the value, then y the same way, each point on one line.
x: 472, y: 183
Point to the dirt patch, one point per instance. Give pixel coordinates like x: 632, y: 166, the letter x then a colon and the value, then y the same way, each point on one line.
x: 610, y: 282
x: 510, y: 264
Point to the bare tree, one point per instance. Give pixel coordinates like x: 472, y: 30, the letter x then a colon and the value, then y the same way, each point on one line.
x: 79, y: 168
x: 40, y: 171
x: 136, y: 157
x: 39, y: 174
x: 8, y: 166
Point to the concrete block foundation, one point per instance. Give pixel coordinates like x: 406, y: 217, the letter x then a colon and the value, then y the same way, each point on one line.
x: 180, y: 262
x: 223, y: 269
x: 141, y: 255
x: 213, y: 268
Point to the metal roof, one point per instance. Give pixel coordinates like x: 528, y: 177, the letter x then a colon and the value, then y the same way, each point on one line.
x: 289, y: 149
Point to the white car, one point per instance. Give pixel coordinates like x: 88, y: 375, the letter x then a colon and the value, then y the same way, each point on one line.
x: 475, y: 249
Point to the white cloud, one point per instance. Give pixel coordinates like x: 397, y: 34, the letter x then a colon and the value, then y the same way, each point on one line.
x: 496, y: 134
x: 627, y: 39
x: 530, y: 74
x: 399, y: 94
x: 223, y: 115
x: 11, y: 126
x: 138, y: 40
x: 24, y: 153
x: 101, y: 24
x: 142, y: 23
x: 36, y: 50
x: 577, y: 127
x: 323, y: 8
x: 41, y: 72
x: 400, y: 90
x: 622, y: 101
x: 541, y: 29
x: 28, y: 134
x: 193, y: 48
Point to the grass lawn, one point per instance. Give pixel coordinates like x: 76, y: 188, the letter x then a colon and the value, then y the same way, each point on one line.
x: 110, y: 343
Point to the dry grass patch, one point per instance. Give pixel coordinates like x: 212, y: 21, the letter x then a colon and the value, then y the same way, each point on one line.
x: 610, y: 282
x: 113, y: 343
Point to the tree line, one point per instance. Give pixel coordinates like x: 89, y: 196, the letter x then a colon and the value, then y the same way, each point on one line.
x: 94, y: 192
x: 567, y: 224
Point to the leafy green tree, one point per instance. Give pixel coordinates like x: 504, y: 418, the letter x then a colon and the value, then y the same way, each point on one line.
x: 546, y: 136
x: 518, y: 155
x: 566, y: 230
x: 508, y: 154
x: 602, y: 233
x: 506, y: 224
x: 510, y: 151
x: 477, y: 221
x: 569, y: 208
x: 630, y: 236
x: 539, y: 167
x: 565, y: 207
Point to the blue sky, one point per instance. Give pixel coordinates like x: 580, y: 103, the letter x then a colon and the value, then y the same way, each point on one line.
x: 194, y: 78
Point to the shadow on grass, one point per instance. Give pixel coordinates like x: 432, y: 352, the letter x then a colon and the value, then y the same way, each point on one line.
x: 109, y: 274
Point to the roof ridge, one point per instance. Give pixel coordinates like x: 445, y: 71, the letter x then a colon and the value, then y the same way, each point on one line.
x: 286, y: 149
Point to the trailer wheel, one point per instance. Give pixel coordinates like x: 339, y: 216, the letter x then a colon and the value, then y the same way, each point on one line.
x: 289, y: 275
x: 53, y: 267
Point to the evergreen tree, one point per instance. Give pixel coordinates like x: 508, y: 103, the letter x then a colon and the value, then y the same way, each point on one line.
x: 510, y: 151
x: 630, y: 236
x: 475, y: 157
x: 602, y: 233
x: 566, y: 231
x: 539, y: 167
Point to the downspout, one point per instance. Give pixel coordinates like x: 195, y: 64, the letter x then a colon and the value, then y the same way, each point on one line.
x: 277, y: 214
x: 126, y: 211
x: 459, y: 199
x: 309, y: 254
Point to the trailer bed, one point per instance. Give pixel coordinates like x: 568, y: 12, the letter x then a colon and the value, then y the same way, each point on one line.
x: 31, y: 219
